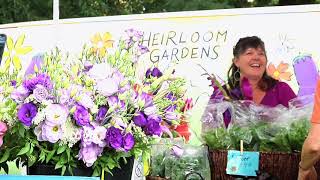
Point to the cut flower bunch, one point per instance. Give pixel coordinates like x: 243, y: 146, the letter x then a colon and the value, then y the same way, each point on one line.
x: 96, y: 109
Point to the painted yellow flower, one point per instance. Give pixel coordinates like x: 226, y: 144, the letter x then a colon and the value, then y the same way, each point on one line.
x: 101, y: 43
x: 14, y: 51
x: 279, y: 73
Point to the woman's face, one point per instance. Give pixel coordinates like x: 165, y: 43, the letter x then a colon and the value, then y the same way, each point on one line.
x: 252, y: 63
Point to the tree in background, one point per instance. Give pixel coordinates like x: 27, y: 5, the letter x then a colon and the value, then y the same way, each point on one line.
x: 34, y: 10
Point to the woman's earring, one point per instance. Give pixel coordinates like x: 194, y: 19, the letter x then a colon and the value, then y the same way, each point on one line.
x: 236, y: 75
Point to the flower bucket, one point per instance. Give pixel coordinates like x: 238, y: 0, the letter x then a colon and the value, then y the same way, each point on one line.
x: 124, y: 173
x: 275, y: 165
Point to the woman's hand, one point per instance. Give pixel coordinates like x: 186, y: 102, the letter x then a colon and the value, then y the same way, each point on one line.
x: 310, y: 174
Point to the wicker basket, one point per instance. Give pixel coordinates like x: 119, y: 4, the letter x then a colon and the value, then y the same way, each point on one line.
x: 282, y: 166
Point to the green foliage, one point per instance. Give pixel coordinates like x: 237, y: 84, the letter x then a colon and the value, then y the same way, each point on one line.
x: 263, y: 136
x: 33, y: 10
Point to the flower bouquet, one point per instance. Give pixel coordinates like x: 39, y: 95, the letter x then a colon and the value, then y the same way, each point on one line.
x: 95, y: 110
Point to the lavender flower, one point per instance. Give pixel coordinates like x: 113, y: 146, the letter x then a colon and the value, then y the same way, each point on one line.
x: 82, y: 116
x: 101, y: 71
x: 99, y: 135
x: 56, y: 114
x: 20, y: 94
x: 154, y: 117
x: 170, y: 114
x: 150, y: 110
x: 89, y: 154
x: 108, y: 86
x: 65, y: 96
x: 128, y: 142
x: 114, y: 138
x: 115, y: 103
x: 86, y: 101
x: 26, y: 113
x: 51, y: 133
x: 140, y: 119
x: 153, y: 128
x: 40, y: 93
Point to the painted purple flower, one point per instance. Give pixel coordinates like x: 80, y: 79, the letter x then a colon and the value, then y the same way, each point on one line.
x: 26, y: 113
x: 128, y: 142
x: 89, y: 154
x: 51, y: 133
x: 20, y: 94
x: 142, y: 49
x: 154, y: 117
x: 40, y: 93
x: 114, y: 138
x: 82, y: 116
x: 87, y: 66
x: 37, y: 60
x: 101, y: 114
x: 153, y: 128
x: 140, y: 119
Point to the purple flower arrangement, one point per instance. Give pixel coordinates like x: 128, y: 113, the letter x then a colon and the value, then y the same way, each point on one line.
x: 96, y: 110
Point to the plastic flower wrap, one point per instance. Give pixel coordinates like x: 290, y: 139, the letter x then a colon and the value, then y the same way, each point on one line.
x: 94, y: 109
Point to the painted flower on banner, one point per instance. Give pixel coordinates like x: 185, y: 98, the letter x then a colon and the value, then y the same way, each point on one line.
x: 14, y: 51
x: 101, y: 42
x: 279, y: 73
x: 92, y: 110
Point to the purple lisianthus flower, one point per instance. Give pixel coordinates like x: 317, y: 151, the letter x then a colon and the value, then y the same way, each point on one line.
x: 65, y: 96
x: 86, y: 101
x: 153, y: 128
x: 128, y: 142
x: 40, y: 79
x: 114, y: 138
x: 99, y: 135
x: 51, y: 133
x: 36, y: 61
x: 171, y: 97
x: 140, y: 119
x: 82, y: 116
x: 147, y: 98
x: 114, y: 102
x: 170, y: 114
x: 156, y: 72
x: 101, y: 114
x: 89, y: 154
x: 154, y: 117
x: 40, y: 93
x: 13, y: 83
x: 26, y: 113
x: 20, y: 94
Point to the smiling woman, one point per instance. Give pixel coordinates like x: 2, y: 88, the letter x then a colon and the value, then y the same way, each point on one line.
x: 248, y: 78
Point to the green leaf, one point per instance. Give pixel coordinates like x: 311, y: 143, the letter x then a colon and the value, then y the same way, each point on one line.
x: 68, y: 154
x: 5, y: 168
x: 5, y: 156
x: 50, y: 155
x: 31, y: 160
x: 24, y: 150
x: 42, y: 156
x: 70, y: 170
x: 58, y: 165
x: 63, y: 170
x: 21, y: 130
x: 61, y: 149
x: 96, y: 172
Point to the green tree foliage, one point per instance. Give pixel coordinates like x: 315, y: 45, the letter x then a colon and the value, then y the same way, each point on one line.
x: 33, y: 10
